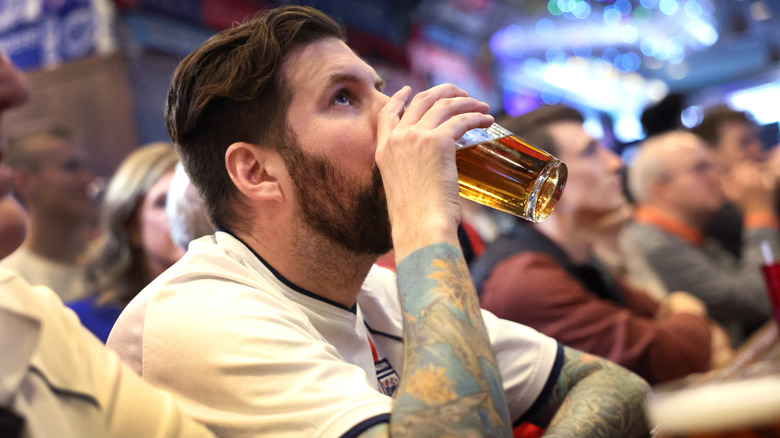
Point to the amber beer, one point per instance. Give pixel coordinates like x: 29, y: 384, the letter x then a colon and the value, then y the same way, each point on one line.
x: 501, y: 170
x: 737, y: 409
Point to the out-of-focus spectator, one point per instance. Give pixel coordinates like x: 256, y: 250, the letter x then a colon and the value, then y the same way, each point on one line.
x: 733, y: 136
x: 773, y: 161
x: 622, y: 261
x: 546, y: 275
x: 674, y: 178
x: 57, y: 379
x: 51, y: 179
x: 137, y: 246
x: 187, y: 216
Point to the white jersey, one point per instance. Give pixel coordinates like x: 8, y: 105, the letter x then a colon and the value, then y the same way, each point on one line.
x: 255, y: 354
x: 67, y: 281
x: 63, y: 382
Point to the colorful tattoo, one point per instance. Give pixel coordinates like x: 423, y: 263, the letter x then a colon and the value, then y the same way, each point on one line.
x: 451, y: 385
x: 595, y: 398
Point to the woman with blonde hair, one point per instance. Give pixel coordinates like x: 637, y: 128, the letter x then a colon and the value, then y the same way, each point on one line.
x: 137, y: 246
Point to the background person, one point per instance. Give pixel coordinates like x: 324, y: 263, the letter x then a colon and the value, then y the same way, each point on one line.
x: 137, y: 246
x: 279, y: 323
x: 187, y: 216
x: 675, y: 180
x: 57, y: 379
x: 545, y: 274
x: 51, y: 179
x: 733, y: 137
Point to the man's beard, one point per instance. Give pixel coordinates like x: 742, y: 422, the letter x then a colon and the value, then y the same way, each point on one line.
x: 337, y: 206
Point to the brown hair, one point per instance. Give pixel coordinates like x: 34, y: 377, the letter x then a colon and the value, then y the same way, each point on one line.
x: 232, y: 89
x: 717, y: 116
x: 532, y: 126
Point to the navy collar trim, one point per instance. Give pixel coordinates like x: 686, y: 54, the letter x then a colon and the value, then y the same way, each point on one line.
x: 287, y: 282
x: 381, y: 333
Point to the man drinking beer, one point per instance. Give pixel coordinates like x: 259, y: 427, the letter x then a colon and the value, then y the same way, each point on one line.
x: 278, y: 324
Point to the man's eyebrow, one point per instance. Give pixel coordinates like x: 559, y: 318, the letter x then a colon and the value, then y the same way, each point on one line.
x: 379, y: 83
x: 593, y: 143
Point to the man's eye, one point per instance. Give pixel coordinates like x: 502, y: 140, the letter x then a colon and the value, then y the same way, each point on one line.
x: 341, y: 99
x: 72, y: 166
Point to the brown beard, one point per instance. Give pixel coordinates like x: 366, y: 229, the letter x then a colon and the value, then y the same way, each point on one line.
x: 336, y: 205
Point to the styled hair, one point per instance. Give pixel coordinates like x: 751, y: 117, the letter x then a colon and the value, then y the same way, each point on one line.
x: 187, y: 216
x: 118, y: 268
x: 232, y: 89
x: 650, y: 162
x: 714, y: 118
x: 532, y: 126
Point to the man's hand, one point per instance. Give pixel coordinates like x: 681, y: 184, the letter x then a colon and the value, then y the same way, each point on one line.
x: 751, y: 187
x: 416, y: 156
x: 722, y: 351
x: 680, y: 302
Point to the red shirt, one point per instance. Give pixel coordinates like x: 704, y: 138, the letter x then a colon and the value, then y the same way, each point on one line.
x: 532, y: 289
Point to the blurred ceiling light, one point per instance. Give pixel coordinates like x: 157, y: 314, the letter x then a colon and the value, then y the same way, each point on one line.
x: 629, y: 33
x: 693, y: 9
x: 628, y: 128
x: 581, y: 10
x: 612, y: 16
x: 761, y: 101
x: 533, y: 67
x: 624, y: 6
x: 545, y: 27
x: 691, y: 116
x: 703, y: 31
x: 508, y: 42
x: 668, y: 7
x: 656, y: 90
x: 759, y: 11
x: 593, y: 127
x: 648, y: 46
x: 582, y: 50
x: 649, y: 4
x: 678, y: 71
x: 555, y: 55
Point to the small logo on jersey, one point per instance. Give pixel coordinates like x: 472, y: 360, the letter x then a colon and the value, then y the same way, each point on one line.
x: 388, y: 378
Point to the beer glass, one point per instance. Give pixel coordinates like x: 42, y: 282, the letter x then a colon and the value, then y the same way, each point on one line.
x: 740, y: 408
x: 501, y: 170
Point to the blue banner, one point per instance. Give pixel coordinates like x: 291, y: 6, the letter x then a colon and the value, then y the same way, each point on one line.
x: 44, y: 33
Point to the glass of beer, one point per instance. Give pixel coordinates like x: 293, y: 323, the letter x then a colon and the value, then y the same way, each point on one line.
x: 501, y: 170
x: 739, y: 408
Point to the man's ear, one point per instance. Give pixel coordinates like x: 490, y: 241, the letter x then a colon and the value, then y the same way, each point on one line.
x: 21, y: 180
x: 255, y: 171
x: 659, y: 189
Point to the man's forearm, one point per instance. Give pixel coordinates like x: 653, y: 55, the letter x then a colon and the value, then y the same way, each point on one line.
x: 451, y: 384
x: 596, y: 398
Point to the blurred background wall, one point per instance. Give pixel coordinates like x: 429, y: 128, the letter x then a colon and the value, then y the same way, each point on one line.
x: 104, y: 65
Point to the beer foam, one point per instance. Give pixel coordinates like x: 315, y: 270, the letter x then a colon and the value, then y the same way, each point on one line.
x: 716, y: 407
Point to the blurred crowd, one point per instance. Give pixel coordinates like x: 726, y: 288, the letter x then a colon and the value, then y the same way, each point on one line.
x: 652, y: 264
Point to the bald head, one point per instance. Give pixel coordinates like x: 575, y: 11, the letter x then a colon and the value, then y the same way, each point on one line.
x: 656, y: 161
x: 677, y: 173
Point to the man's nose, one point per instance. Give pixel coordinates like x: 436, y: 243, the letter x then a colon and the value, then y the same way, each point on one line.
x: 612, y: 160
x: 86, y: 176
